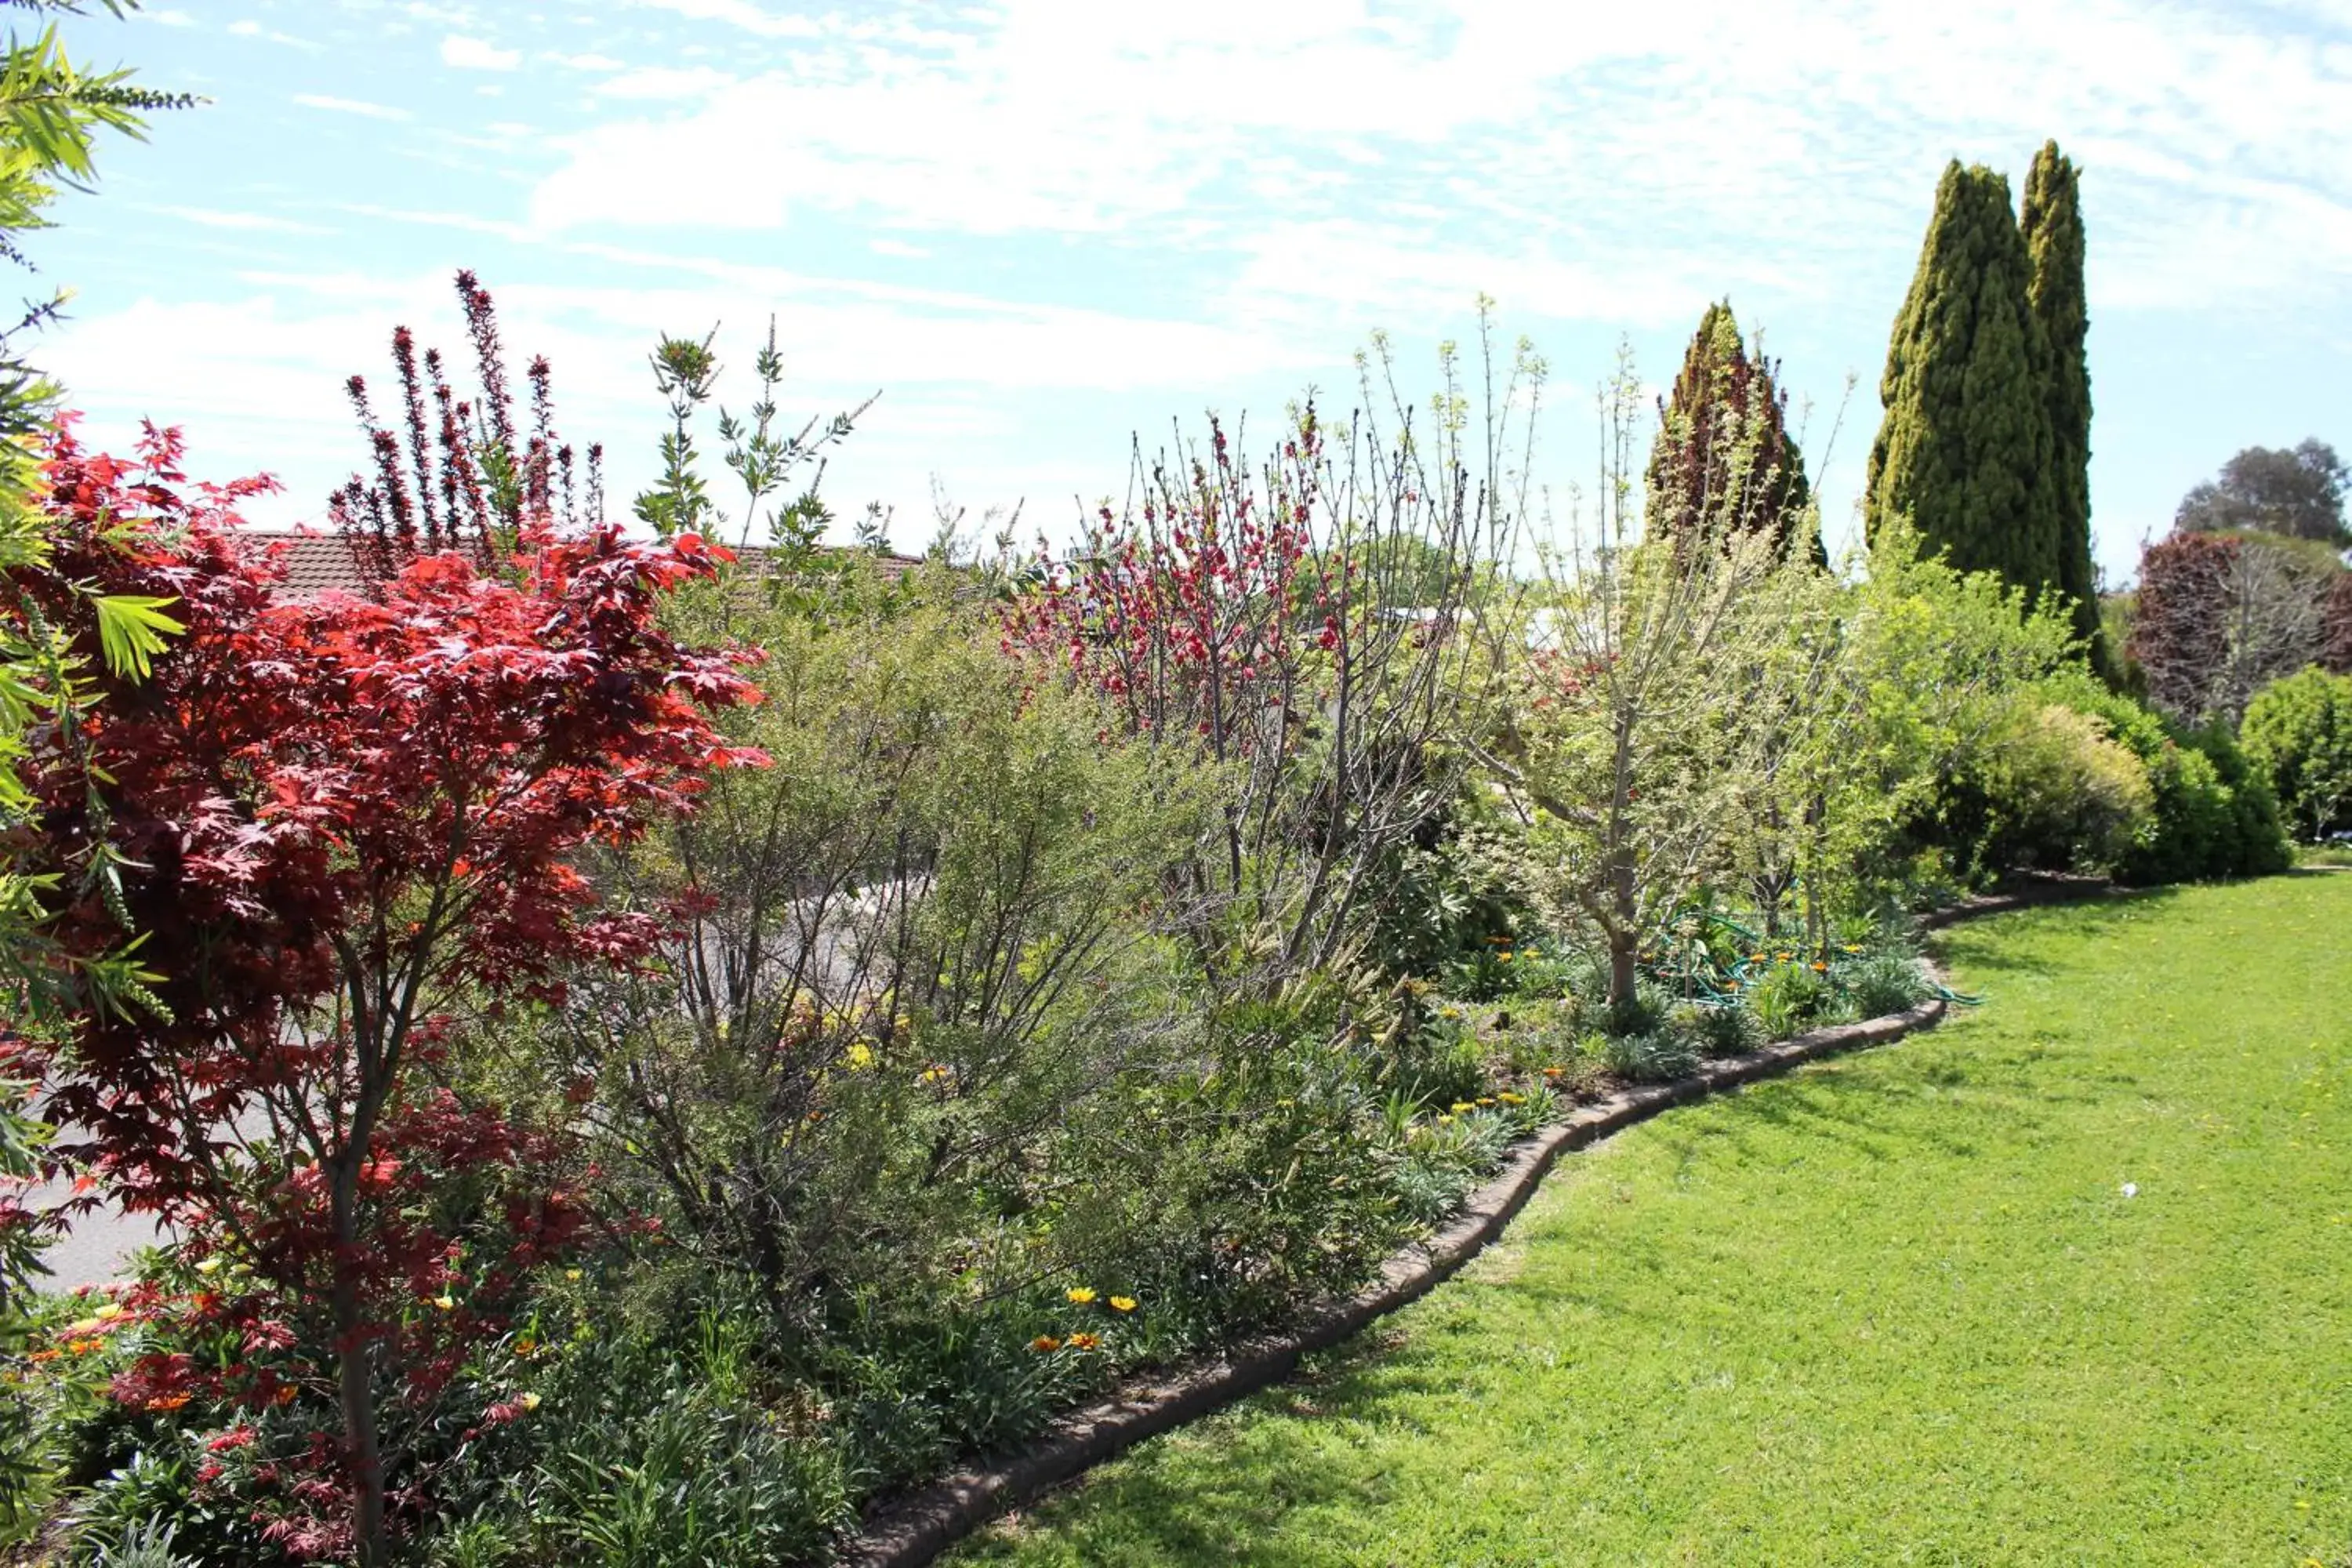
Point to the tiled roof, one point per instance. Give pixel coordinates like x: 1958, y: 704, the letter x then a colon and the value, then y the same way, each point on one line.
x: 315, y: 563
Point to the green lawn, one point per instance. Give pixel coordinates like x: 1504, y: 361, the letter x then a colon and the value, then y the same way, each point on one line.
x: 1896, y: 1307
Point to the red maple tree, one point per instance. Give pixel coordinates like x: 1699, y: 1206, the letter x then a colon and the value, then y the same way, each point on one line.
x: 343, y: 829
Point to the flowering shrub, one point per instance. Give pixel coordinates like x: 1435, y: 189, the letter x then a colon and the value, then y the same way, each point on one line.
x: 1303, y: 625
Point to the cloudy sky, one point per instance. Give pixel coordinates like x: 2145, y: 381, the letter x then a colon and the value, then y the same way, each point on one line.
x: 1039, y: 227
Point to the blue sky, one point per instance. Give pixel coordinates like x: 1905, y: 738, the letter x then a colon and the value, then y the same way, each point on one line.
x: 1041, y: 225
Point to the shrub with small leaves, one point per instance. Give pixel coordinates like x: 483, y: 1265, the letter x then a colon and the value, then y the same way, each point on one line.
x: 1717, y: 1030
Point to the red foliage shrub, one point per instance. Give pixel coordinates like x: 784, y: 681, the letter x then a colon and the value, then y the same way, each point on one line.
x: 339, y: 828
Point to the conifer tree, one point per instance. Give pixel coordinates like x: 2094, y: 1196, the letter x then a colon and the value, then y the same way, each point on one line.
x: 2052, y: 222
x: 1724, y: 460
x: 1965, y: 445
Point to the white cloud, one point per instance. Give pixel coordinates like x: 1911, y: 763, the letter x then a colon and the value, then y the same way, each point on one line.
x: 742, y: 14
x: 588, y: 62
x: 351, y: 106
x: 249, y: 28
x: 473, y: 54
x: 169, y: 19
x: 519, y: 234
x: 1608, y: 155
x: 258, y: 222
x: 665, y: 82
x: 898, y: 247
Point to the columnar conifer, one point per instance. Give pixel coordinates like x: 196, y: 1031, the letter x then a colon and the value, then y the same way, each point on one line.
x: 1724, y: 460
x: 2053, y: 227
x: 1965, y: 447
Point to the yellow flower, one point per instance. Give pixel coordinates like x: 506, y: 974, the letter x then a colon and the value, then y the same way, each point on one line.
x: 572, y: 1274
x: 1485, y: 1099
x: 1853, y: 947
x: 1504, y: 957
x: 859, y: 1056
x: 1122, y: 1303
x: 1084, y: 1342
x: 530, y: 1402
x: 87, y: 1326
x: 109, y: 1312
x: 1446, y: 1121
x: 447, y: 1304
x: 209, y: 1265
x: 1507, y: 1098
x: 1462, y: 1105
x: 1079, y: 1294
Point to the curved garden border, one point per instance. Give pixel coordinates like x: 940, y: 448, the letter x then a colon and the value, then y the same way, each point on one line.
x: 918, y: 1527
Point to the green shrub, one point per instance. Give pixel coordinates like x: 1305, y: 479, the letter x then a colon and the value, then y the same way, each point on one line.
x: 2214, y: 813
x: 1717, y: 1030
x: 1438, y: 1063
x: 1884, y: 983
x: 2298, y: 732
x: 2048, y: 787
x: 1658, y: 1056
x: 1643, y: 1013
x: 1790, y: 999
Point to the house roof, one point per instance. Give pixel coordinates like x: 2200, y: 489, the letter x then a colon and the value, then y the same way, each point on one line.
x: 315, y: 563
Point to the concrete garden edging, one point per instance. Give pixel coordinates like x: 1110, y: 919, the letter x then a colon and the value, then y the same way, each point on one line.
x: 918, y: 1527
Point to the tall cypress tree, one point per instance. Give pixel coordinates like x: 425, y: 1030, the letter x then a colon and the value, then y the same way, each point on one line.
x: 2052, y: 224
x: 1965, y: 445
x: 1724, y: 459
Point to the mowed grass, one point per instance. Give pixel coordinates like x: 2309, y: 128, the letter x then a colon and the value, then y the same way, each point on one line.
x: 1894, y: 1308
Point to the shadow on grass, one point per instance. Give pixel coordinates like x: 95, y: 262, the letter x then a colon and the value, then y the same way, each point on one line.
x: 1989, y: 945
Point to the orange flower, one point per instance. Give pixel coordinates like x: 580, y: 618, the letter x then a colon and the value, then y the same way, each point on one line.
x: 37, y: 1357
x: 1554, y: 1072
x: 1820, y: 968
x: 83, y: 1347
x: 168, y: 1401
x: 1084, y: 1342
x: 284, y: 1394
x: 1045, y: 1342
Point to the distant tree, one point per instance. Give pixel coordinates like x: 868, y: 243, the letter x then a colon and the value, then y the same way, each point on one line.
x: 1965, y: 449
x: 2220, y: 616
x: 2298, y: 491
x: 2336, y: 653
x: 2052, y: 225
x: 1724, y: 448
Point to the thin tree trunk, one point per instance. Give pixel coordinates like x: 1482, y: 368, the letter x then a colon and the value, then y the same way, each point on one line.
x: 352, y: 1355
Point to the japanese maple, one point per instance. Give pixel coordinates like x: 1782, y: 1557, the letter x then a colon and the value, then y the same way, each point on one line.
x: 345, y: 827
